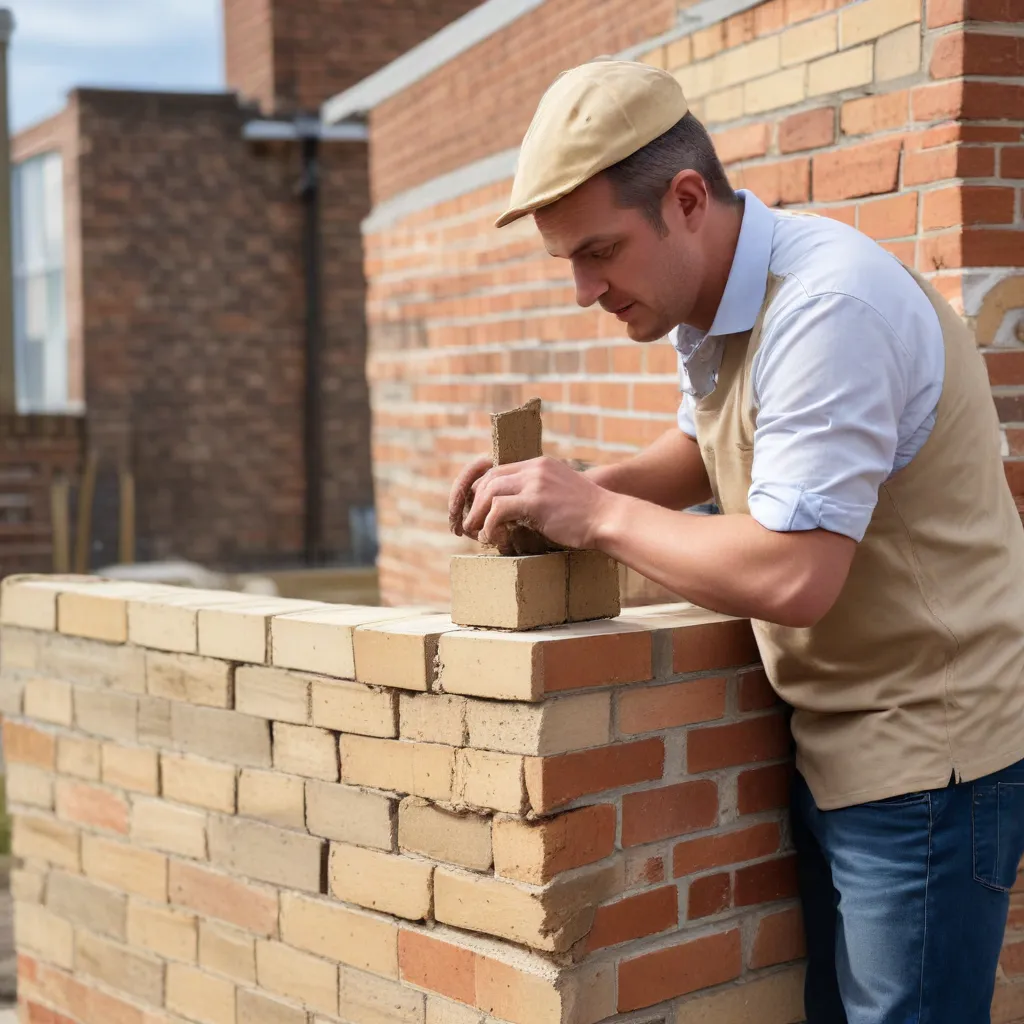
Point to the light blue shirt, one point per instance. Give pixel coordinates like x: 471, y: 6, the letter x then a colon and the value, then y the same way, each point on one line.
x: 847, y: 376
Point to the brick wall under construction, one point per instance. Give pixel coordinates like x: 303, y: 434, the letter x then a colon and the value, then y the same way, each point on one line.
x: 235, y: 810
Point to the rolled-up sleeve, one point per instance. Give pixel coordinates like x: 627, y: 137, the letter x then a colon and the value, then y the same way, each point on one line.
x: 830, y: 381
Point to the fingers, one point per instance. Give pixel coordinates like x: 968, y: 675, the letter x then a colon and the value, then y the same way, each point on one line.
x: 461, y: 491
x: 487, y: 490
x: 505, y: 509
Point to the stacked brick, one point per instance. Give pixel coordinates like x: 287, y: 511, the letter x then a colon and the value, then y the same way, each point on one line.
x: 229, y: 810
x: 901, y: 117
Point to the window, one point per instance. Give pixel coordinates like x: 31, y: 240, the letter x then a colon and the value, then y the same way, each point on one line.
x: 40, y: 324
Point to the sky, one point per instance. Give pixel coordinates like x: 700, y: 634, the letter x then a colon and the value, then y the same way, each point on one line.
x: 142, y: 44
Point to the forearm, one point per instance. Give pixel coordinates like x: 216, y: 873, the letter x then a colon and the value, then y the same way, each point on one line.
x: 669, y: 473
x: 729, y: 564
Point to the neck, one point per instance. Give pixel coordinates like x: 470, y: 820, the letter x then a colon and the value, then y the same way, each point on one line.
x: 723, y: 229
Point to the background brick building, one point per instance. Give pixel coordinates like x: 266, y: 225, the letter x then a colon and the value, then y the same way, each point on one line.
x: 901, y: 117
x: 185, y: 292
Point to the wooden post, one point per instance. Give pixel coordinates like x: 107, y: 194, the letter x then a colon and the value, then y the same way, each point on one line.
x: 86, y: 493
x: 126, y: 528
x: 60, y: 526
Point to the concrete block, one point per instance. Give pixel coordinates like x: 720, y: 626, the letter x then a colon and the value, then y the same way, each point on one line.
x: 517, y: 592
x: 400, y: 654
x: 350, y: 815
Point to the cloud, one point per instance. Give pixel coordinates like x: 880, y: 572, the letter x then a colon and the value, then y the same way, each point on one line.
x: 155, y: 44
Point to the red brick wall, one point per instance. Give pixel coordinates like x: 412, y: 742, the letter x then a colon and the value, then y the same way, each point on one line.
x: 885, y: 133
x: 294, y: 55
x: 194, y: 328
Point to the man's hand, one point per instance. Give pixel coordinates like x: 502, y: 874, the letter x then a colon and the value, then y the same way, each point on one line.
x: 461, y: 495
x: 544, y: 494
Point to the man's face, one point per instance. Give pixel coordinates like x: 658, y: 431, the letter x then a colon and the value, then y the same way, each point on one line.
x: 648, y: 279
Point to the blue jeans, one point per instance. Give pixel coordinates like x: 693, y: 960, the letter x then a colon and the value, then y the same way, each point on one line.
x: 905, y: 901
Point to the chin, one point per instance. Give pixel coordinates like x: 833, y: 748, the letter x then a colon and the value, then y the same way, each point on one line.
x: 644, y: 333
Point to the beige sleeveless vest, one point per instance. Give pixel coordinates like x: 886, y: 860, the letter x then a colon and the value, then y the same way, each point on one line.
x: 917, y: 673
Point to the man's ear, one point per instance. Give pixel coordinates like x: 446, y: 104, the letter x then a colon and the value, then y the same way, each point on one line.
x: 688, y: 196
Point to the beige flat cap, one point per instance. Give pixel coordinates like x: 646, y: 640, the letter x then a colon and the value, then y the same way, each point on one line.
x: 589, y: 119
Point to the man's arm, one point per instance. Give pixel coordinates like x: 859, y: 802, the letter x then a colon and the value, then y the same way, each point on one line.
x: 670, y: 472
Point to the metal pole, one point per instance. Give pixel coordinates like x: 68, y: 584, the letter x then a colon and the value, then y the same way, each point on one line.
x: 314, y: 350
x: 8, y: 392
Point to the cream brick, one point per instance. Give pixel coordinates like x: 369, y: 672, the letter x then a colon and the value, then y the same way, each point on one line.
x: 25, y: 743
x: 676, y: 54
x: 350, y: 815
x: 92, y: 663
x: 367, y: 999
x: 88, y: 905
x: 519, y: 592
x: 27, y: 785
x: 272, y: 797
x: 49, y: 700
x: 110, y: 715
x: 155, y: 722
x: 221, y: 735
x: 302, y: 750
x: 775, y: 999
x: 550, y: 919
x: 28, y: 602
x: 265, y: 853
x: 163, y: 826
x: 213, y: 893
x: 27, y: 886
x: 124, y: 969
x: 259, y: 1008
x: 124, y: 867
x: 898, y: 54
x: 40, y: 931
x: 423, y: 769
x: 354, y: 707
x: 190, y: 780
x: 444, y: 1011
x: 98, y: 611
x: 782, y: 89
x: 696, y: 79
x: 228, y: 951
x: 200, y: 996
x: 810, y: 39
x: 463, y: 839
x: 433, y: 718
x: 845, y: 70
x: 299, y: 976
x: 330, y: 930
x: 273, y: 693
x: 189, y: 678
x: 38, y: 838
x: 134, y: 768
x: 741, y: 63
x: 554, y: 727
x: 593, y: 586
x: 487, y: 779
x: 167, y: 932
x: 19, y: 649
x: 322, y: 640
x: 12, y: 693
x: 169, y: 622
x: 78, y: 757
x: 240, y: 633
x: 873, y: 18
x: 381, y: 881
x: 400, y: 654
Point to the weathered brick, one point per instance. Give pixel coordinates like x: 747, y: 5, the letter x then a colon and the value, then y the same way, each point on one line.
x: 381, y: 881
x: 350, y: 815
x: 422, y: 769
x: 726, y: 848
x: 78, y: 757
x: 567, y: 723
x: 134, y: 768
x: 400, y: 654
x: 163, y: 826
x: 223, y: 735
x: 93, y: 806
x: 240, y: 633
x: 120, y: 967
x: 303, y: 750
x: 110, y: 715
x: 155, y: 722
x: 87, y: 905
x: 26, y: 785
x: 440, y: 966
x: 368, y: 999
x: 490, y: 780
x: 125, y: 867
x: 538, y: 851
x: 765, y: 738
x: 215, y: 894
x: 634, y: 917
x: 352, y: 937
x: 267, y: 854
x: 228, y: 951
x: 433, y: 832
x: 433, y: 718
x: 48, y: 699
x: 654, y: 708
x: 258, y: 1008
x: 189, y: 678
x: 39, y: 838
x: 298, y: 976
x: 200, y: 996
x: 669, y: 811
x: 39, y: 930
x: 273, y: 693
x: 169, y: 933
x: 862, y: 170
x: 91, y: 663
x: 771, y: 999
x: 24, y: 744
x: 355, y: 708
x: 779, y: 939
x: 190, y: 780
x: 272, y: 797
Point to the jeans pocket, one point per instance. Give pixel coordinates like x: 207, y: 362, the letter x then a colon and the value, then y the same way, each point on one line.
x: 998, y: 823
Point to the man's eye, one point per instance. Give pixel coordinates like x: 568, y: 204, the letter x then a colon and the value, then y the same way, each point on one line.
x: 603, y: 254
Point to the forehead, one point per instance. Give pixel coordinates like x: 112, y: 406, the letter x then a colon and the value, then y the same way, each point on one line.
x: 586, y: 211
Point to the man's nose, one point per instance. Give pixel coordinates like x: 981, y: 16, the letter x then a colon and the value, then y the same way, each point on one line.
x: 589, y: 286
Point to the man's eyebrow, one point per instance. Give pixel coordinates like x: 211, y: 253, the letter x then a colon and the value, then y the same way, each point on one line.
x: 588, y: 242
